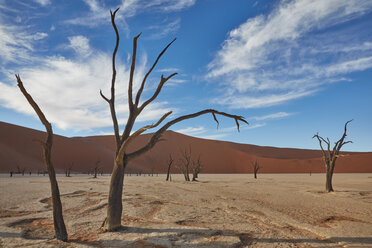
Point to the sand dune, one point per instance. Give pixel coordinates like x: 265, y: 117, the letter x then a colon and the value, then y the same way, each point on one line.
x: 17, y: 148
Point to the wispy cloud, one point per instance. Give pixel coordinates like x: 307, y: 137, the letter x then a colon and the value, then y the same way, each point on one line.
x: 164, y: 29
x: 278, y: 115
x: 97, y: 14
x: 274, y: 58
x: 80, y: 44
x: 17, y: 44
x: 43, y: 2
x: 68, y: 91
x: 192, y: 130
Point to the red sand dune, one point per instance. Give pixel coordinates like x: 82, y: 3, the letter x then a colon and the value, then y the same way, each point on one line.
x: 18, y: 148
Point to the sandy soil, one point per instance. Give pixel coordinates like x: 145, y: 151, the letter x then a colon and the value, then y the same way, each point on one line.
x: 276, y: 210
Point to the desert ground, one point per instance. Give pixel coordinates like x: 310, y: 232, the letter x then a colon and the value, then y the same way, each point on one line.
x: 221, y: 210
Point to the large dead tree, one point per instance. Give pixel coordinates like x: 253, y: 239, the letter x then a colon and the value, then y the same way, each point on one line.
x: 330, y: 156
x: 59, y: 224
x: 122, y: 158
x: 255, y: 167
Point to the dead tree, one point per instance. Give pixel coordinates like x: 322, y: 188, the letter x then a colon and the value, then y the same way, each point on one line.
x: 59, y: 224
x: 68, y: 171
x: 122, y: 158
x: 96, y: 168
x: 255, y: 167
x: 170, y: 162
x: 196, y: 168
x: 185, y: 163
x: 330, y: 156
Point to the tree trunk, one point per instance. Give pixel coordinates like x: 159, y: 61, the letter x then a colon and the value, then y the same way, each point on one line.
x: 59, y: 224
x: 255, y: 175
x: 329, y: 187
x: 168, y: 172
x: 329, y: 174
x: 115, y: 205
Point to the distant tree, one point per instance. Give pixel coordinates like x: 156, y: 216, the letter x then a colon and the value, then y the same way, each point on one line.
x: 122, y: 157
x: 170, y: 162
x: 59, y: 224
x: 96, y: 168
x: 255, y: 167
x: 68, y: 170
x: 330, y: 156
x: 184, y: 163
x: 196, y: 168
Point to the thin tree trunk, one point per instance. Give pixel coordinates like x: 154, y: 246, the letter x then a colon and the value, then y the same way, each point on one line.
x: 59, y: 224
x: 115, y: 204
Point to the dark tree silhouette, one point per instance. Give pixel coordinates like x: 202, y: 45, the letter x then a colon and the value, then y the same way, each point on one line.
x: 255, y: 167
x: 68, y: 170
x: 330, y: 156
x: 122, y: 158
x: 185, y: 163
x: 96, y: 168
x: 59, y: 224
x: 170, y: 162
x: 196, y: 168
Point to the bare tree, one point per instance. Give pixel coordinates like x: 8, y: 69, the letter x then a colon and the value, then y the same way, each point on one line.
x: 59, y: 224
x: 122, y: 158
x: 196, y: 168
x: 330, y: 156
x: 185, y: 163
x: 96, y: 168
x: 68, y: 170
x: 170, y: 162
x: 255, y: 167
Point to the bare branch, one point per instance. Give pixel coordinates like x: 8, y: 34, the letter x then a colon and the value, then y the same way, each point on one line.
x: 104, y: 97
x: 111, y: 101
x: 155, y: 137
x: 214, y: 117
x: 132, y: 68
x: 125, y: 144
x: 37, y: 109
x: 156, y: 93
x: 138, y: 96
x: 320, y: 143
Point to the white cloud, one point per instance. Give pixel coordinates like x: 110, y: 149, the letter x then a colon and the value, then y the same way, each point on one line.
x: 165, y: 29
x: 80, y: 44
x: 98, y: 13
x: 282, y: 56
x: 192, y: 130
x: 43, y: 2
x: 68, y: 91
x: 251, y: 101
x: 16, y: 44
x: 278, y: 115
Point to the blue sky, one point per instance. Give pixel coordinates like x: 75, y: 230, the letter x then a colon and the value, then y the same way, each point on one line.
x: 291, y: 68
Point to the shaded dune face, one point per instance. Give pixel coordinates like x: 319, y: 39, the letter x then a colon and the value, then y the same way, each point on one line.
x: 18, y: 148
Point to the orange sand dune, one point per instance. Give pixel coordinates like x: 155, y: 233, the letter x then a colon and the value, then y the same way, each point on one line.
x: 18, y: 148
